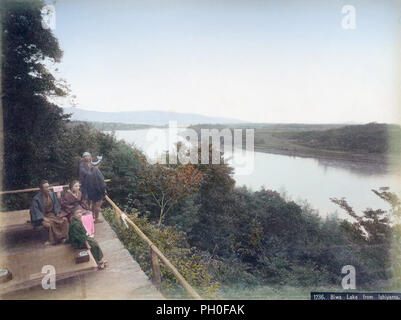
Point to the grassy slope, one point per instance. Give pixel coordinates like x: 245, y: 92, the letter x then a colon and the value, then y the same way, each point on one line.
x: 368, y: 138
x: 375, y: 143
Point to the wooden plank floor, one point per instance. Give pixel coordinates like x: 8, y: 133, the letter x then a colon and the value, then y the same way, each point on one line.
x: 15, y: 220
x: 123, y: 279
x: 26, y: 266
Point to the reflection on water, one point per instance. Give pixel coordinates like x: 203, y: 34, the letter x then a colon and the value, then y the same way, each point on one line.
x: 312, y: 179
x: 355, y: 167
x: 307, y: 178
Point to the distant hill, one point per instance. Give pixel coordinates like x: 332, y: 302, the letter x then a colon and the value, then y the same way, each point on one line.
x: 112, y: 126
x: 154, y: 118
x: 371, y: 138
x: 378, y: 143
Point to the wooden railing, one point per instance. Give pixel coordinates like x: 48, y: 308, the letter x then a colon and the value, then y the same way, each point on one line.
x: 155, y: 253
x: 34, y: 189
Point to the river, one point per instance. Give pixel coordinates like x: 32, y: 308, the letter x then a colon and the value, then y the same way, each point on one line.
x: 313, y: 180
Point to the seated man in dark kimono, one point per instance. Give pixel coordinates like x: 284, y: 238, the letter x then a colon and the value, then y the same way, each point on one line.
x: 46, y: 210
x: 80, y: 240
x: 96, y: 188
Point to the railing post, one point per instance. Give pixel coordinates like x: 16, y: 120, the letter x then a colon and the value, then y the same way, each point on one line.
x: 155, y: 264
x: 117, y: 216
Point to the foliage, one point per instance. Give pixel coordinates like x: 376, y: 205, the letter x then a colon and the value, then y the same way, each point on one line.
x: 194, y: 265
x: 378, y: 234
x: 212, y: 201
x: 168, y: 184
x: 31, y: 121
x: 185, y: 214
x: 262, y: 238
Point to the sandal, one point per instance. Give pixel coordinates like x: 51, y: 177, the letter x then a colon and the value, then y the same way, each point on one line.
x: 103, y: 265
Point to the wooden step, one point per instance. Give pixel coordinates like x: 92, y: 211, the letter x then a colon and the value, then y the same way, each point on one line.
x: 26, y: 266
x: 15, y: 221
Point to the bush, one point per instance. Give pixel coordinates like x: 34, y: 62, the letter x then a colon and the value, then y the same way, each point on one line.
x: 194, y: 266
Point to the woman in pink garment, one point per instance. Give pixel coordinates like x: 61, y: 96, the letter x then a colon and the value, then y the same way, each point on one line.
x: 72, y: 202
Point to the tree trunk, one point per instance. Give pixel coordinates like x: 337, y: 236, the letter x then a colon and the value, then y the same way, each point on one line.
x: 161, y: 216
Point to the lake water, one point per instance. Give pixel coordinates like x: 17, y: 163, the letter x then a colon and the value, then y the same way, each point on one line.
x: 299, y: 178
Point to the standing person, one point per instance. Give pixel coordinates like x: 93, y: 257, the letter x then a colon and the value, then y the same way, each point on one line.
x: 79, y: 240
x: 84, y: 167
x: 72, y: 202
x: 46, y: 210
x: 96, y: 188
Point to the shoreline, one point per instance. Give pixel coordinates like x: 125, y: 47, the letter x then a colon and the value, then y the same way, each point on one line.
x: 279, y: 145
x: 388, y: 161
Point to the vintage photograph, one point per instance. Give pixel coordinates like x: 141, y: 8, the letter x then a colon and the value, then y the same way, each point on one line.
x: 200, y: 150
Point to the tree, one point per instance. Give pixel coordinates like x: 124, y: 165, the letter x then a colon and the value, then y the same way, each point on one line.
x: 168, y: 184
x: 373, y: 225
x: 32, y: 124
x: 377, y: 233
x: 213, y: 201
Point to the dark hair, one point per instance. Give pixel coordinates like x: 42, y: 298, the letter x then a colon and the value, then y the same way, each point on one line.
x: 42, y: 183
x: 72, y: 183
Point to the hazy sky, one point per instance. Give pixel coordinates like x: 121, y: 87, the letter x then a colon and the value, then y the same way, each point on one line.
x: 265, y: 61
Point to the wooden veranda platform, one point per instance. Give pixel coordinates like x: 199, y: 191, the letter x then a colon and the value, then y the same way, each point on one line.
x: 26, y: 266
x: 15, y: 221
x: 25, y: 252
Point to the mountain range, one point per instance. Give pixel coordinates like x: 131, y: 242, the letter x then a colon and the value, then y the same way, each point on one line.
x: 154, y: 117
